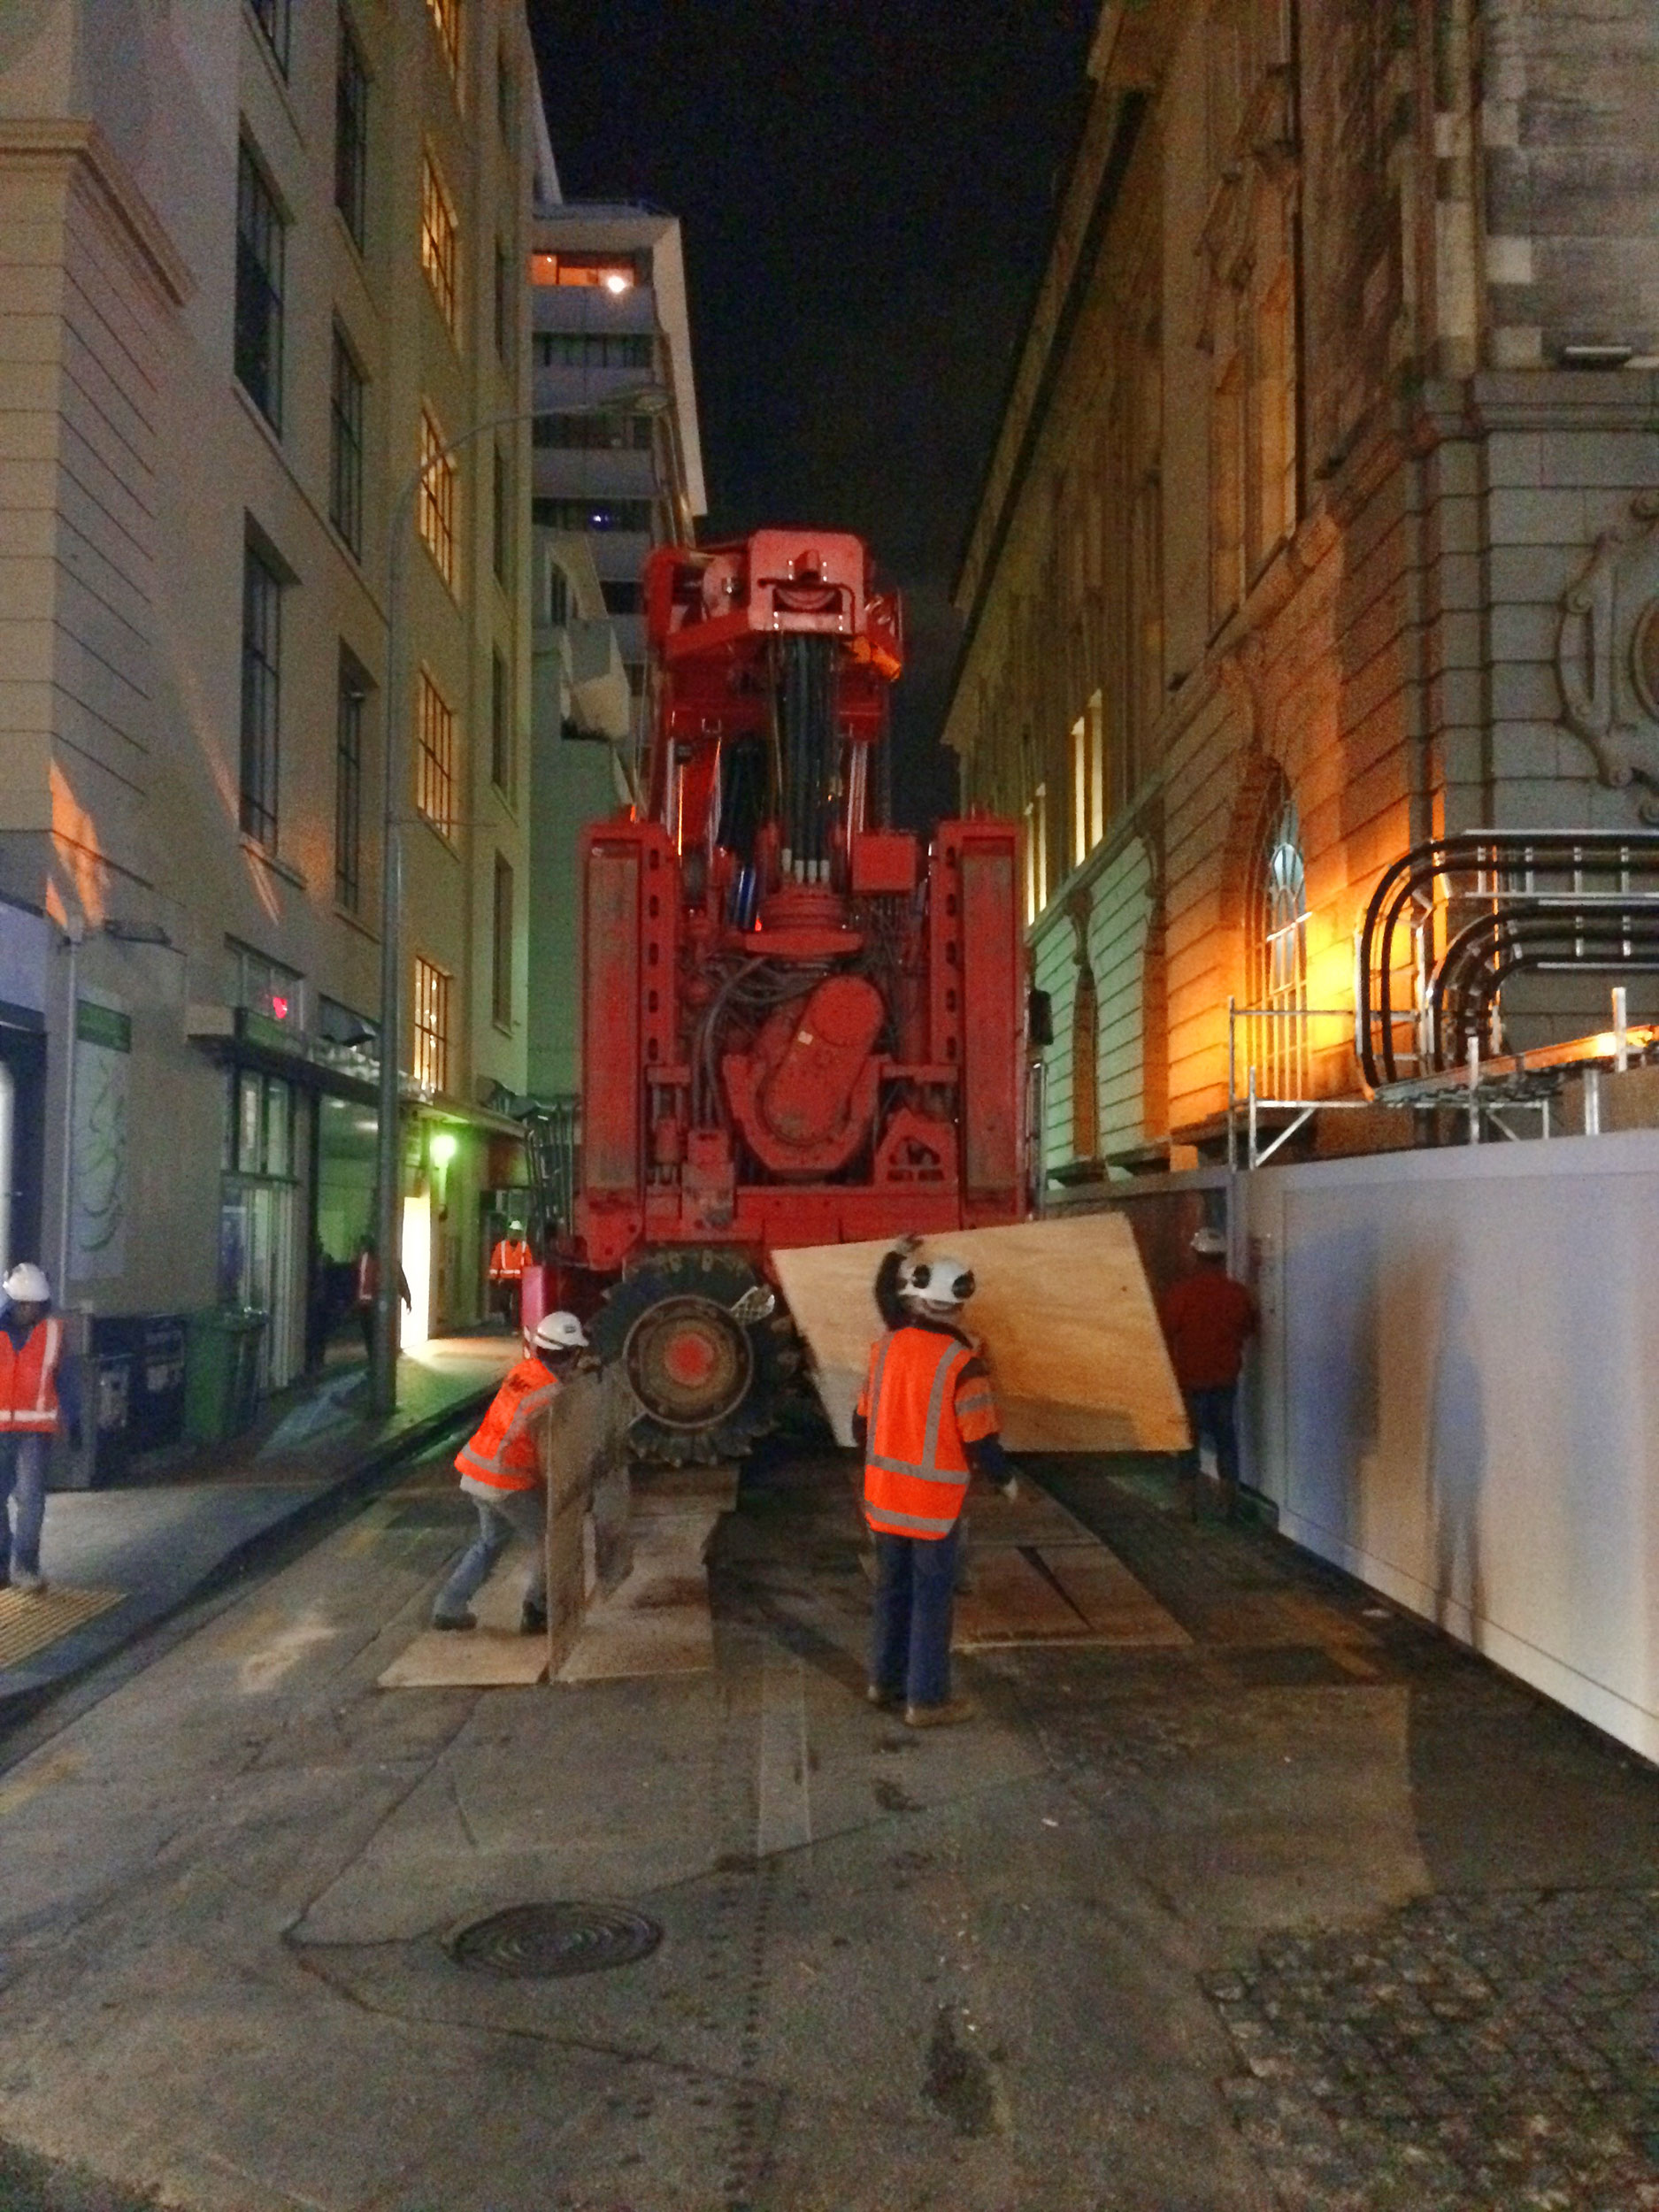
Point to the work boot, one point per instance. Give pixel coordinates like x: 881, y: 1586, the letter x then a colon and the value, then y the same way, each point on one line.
x: 455, y: 1620
x: 27, y: 1578
x: 945, y: 1715
x: 533, y: 1619
x: 884, y: 1700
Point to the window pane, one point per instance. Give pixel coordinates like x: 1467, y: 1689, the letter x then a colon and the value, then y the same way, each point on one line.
x: 500, y: 961
x: 431, y: 1054
x: 258, y: 336
x: 437, y: 499
x: 434, y: 766
x: 345, y: 456
x: 349, y: 785
x: 592, y: 514
x: 352, y: 132
x: 438, y: 248
x: 261, y: 696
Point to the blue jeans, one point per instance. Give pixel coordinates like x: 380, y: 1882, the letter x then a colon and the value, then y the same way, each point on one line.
x: 909, y: 1642
x: 503, y: 1515
x: 22, y: 1481
x: 1212, y: 1414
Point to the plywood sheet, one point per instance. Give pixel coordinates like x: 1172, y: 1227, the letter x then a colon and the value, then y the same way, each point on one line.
x: 1117, y: 1607
x: 1031, y: 1517
x: 484, y: 1658
x: 658, y: 1620
x: 1012, y: 1601
x: 1066, y: 1317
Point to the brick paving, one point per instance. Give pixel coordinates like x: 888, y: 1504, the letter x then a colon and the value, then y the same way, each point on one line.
x: 1469, y: 2054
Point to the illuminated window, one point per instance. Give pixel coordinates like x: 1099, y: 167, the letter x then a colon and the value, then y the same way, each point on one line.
x: 434, y: 758
x: 500, y: 724
x: 1088, y: 749
x: 440, y: 248
x: 1274, y: 406
x: 1277, y: 943
x: 1036, y: 853
x: 266, y: 986
x: 611, y: 272
x: 437, y: 498
x: 431, y: 1056
x: 446, y: 21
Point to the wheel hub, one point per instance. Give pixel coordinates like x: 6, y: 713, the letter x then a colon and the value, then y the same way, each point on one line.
x: 689, y: 1362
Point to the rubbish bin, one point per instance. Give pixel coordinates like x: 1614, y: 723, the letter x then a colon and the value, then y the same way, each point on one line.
x: 221, y: 1372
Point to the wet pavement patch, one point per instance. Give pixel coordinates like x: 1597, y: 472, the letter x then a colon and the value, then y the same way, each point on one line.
x: 1469, y: 2054
x: 527, y: 1942
x: 959, y: 2081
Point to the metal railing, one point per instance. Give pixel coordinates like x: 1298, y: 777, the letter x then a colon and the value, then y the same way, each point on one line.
x: 1247, y: 1105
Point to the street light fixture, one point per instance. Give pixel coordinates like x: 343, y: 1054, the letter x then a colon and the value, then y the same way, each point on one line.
x: 648, y: 399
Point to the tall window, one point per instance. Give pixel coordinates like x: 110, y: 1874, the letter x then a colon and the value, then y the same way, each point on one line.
x: 353, y: 692
x: 271, y: 16
x: 437, y: 498
x: 1088, y: 779
x: 501, y: 517
x: 431, y: 1069
x: 434, y: 759
x: 1277, y: 943
x: 500, y: 724
x: 439, y: 243
x: 1274, y: 408
x: 261, y: 694
x: 559, y: 601
x: 446, y: 21
x: 501, y: 947
x: 1036, y: 853
x: 503, y: 317
x: 345, y: 444
x: 351, y: 131
x: 260, y: 242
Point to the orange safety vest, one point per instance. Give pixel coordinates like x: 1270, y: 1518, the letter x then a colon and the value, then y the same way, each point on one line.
x: 28, y: 1380
x: 504, y: 1451
x: 508, y: 1261
x: 925, y: 1398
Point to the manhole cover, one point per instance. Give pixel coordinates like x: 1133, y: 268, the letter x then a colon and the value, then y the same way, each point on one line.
x: 528, y: 1940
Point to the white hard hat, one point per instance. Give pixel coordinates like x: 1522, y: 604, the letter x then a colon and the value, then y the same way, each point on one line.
x: 560, y: 1333
x: 941, y: 1283
x: 515, y: 1225
x: 26, y: 1285
x: 1209, y: 1244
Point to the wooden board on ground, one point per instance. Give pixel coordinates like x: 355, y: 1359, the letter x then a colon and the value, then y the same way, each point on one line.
x: 31, y: 1619
x: 1117, y: 1609
x: 1031, y: 1517
x: 492, y: 1656
x: 1065, y: 1313
x: 1073, y: 1594
x: 657, y: 1621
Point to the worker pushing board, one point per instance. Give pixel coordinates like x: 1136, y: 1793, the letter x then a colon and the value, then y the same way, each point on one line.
x: 1070, y: 1330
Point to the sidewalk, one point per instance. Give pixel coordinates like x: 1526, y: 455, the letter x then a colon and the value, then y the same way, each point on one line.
x: 149, y: 1547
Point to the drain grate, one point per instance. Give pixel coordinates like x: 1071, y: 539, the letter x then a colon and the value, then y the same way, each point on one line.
x: 527, y: 1941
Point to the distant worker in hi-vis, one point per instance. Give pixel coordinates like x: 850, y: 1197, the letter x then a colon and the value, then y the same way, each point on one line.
x: 37, y: 1393
x: 507, y: 1263
x: 926, y: 1423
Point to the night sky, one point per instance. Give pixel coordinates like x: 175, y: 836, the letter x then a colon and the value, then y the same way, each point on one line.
x: 867, y: 188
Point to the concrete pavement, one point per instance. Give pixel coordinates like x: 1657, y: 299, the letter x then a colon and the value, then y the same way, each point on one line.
x: 1318, y: 1911
x: 160, y: 1542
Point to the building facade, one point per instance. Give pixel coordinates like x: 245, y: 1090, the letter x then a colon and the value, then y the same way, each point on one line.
x: 1321, y: 522
x: 618, y: 468
x: 257, y: 266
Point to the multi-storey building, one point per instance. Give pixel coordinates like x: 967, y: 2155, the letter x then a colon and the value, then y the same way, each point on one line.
x: 258, y: 262
x: 618, y: 468
x: 1320, y: 522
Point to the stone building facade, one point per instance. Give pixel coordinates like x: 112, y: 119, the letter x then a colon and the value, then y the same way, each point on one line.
x: 257, y: 262
x: 1324, y: 517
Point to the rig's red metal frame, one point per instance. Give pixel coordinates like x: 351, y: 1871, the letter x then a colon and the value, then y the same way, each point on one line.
x: 721, y: 1106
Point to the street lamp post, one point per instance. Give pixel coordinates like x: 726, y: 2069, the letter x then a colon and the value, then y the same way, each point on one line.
x: 389, y: 1195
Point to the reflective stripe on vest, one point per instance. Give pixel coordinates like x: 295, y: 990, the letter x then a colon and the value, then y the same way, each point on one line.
x: 29, y: 1379
x: 893, y: 1502
x: 503, y: 1451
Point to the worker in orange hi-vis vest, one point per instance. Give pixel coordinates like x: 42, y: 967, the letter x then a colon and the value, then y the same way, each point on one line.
x: 926, y: 1423
x: 507, y: 1263
x: 36, y: 1393
x: 501, y: 1472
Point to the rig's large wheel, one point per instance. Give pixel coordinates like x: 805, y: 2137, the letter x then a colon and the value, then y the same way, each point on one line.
x: 709, y: 1385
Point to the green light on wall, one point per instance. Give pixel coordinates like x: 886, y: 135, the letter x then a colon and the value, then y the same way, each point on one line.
x: 442, y: 1149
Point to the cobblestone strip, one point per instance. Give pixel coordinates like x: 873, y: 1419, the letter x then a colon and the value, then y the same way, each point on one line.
x: 1469, y: 2054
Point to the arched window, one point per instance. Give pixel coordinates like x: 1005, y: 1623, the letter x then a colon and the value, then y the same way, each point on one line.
x: 1276, y: 937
